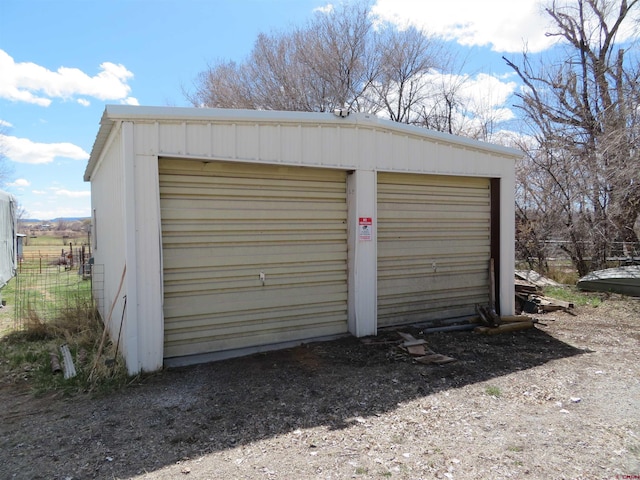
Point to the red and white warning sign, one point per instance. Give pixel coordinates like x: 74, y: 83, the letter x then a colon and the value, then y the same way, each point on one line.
x: 365, y: 228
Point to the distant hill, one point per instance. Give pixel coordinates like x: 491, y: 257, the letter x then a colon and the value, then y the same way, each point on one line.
x: 55, y: 220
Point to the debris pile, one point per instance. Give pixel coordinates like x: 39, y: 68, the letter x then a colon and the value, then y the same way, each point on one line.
x: 529, y: 296
x: 408, y: 347
x: 417, y: 348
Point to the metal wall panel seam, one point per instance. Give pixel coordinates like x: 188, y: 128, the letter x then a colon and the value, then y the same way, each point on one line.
x: 131, y: 323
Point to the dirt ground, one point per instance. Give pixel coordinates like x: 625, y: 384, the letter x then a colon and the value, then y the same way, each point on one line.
x: 560, y: 401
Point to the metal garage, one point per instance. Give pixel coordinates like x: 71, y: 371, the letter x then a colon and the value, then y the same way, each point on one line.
x: 253, y: 254
x: 229, y: 232
x: 434, y: 239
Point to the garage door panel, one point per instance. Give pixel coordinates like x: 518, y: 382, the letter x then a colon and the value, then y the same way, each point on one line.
x: 419, y: 285
x: 314, y: 313
x: 233, y: 189
x: 248, y: 299
x: 241, y: 339
x: 235, y: 170
x: 225, y: 223
x: 396, y: 243
x: 260, y: 257
x: 433, y: 213
x: 183, y: 284
x: 254, y: 324
x: 308, y: 270
x: 261, y: 236
x: 255, y: 211
x: 433, y: 246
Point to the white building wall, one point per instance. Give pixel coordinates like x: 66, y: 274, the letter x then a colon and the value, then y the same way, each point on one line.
x: 361, y: 202
x: 108, y: 206
x: 506, y: 288
x: 360, y: 143
x: 148, y: 263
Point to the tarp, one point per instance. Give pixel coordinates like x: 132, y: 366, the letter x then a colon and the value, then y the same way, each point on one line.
x: 8, y: 230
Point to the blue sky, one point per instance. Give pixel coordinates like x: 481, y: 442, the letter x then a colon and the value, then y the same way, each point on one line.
x: 62, y: 61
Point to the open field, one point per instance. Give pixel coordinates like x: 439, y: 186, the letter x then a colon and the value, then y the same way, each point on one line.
x: 51, y: 244
x: 559, y: 401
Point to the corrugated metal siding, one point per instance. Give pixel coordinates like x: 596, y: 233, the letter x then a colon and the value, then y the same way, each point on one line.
x: 223, y: 224
x: 107, y: 199
x: 433, y: 246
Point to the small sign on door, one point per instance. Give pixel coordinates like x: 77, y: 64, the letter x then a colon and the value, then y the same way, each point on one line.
x: 365, y: 227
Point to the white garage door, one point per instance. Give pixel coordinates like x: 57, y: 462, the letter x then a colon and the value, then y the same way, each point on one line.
x: 434, y: 239
x: 253, y: 254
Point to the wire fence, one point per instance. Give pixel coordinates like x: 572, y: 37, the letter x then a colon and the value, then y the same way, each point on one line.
x: 49, y: 287
x: 617, y: 253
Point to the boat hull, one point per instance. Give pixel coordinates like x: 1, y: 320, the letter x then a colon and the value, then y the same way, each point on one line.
x: 622, y: 280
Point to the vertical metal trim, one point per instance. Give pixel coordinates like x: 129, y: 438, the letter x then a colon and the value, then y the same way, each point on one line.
x: 129, y: 199
x: 494, y: 185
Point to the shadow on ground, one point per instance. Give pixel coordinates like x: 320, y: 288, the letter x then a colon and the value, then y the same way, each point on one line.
x: 192, y: 411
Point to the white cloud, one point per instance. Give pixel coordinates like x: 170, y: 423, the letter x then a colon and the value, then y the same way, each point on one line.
x: 84, y: 102
x: 23, y: 150
x: 482, y: 95
x: 328, y: 8
x: 71, y: 194
x: 31, y: 83
x: 20, y: 182
x: 130, y: 101
x: 488, y: 92
x: 4, y: 123
x: 38, y: 192
x: 504, y: 25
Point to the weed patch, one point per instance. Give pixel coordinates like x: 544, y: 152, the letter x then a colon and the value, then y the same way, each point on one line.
x: 573, y: 295
x: 493, y: 391
x: 30, y: 352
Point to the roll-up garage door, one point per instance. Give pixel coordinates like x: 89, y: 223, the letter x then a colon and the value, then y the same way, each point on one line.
x: 252, y: 254
x: 434, y: 239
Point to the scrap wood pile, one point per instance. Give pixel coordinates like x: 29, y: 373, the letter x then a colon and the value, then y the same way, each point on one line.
x: 418, y: 350
x: 408, y: 347
x: 491, y: 323
x: 529, y: 296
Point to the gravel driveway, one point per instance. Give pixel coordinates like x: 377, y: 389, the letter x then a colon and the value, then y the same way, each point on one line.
x: 559, y: 401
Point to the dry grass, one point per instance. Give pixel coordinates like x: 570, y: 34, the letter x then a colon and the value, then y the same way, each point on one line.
x: 26, y: 353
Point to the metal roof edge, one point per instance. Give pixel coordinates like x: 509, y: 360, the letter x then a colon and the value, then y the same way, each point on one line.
x: 114, y: 113
x: 436, y: 136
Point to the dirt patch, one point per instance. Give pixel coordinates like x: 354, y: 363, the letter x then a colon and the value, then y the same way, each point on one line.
x: 557, y: 401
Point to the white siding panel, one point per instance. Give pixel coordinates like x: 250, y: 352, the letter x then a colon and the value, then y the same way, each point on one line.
x: 330, y: 143
x: 107, y: 193
x: 171, y: 138
x: 247, y: 141
x: 434, y: 243
x: 312, y: 151
x: 198, y: 139
x: 149, y: 272
x: 270, y: 143
x: 291, y: 144
x: 146, y: 138
x: 225, y: 223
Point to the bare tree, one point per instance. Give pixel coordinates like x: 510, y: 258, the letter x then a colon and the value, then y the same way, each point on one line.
x: 223, y: 85
x: 318, y: 67
x: 334, y: 49
x: 582, y: 113
x: 61, y: 225
x: 337, y: 60
x: 401, y: 85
